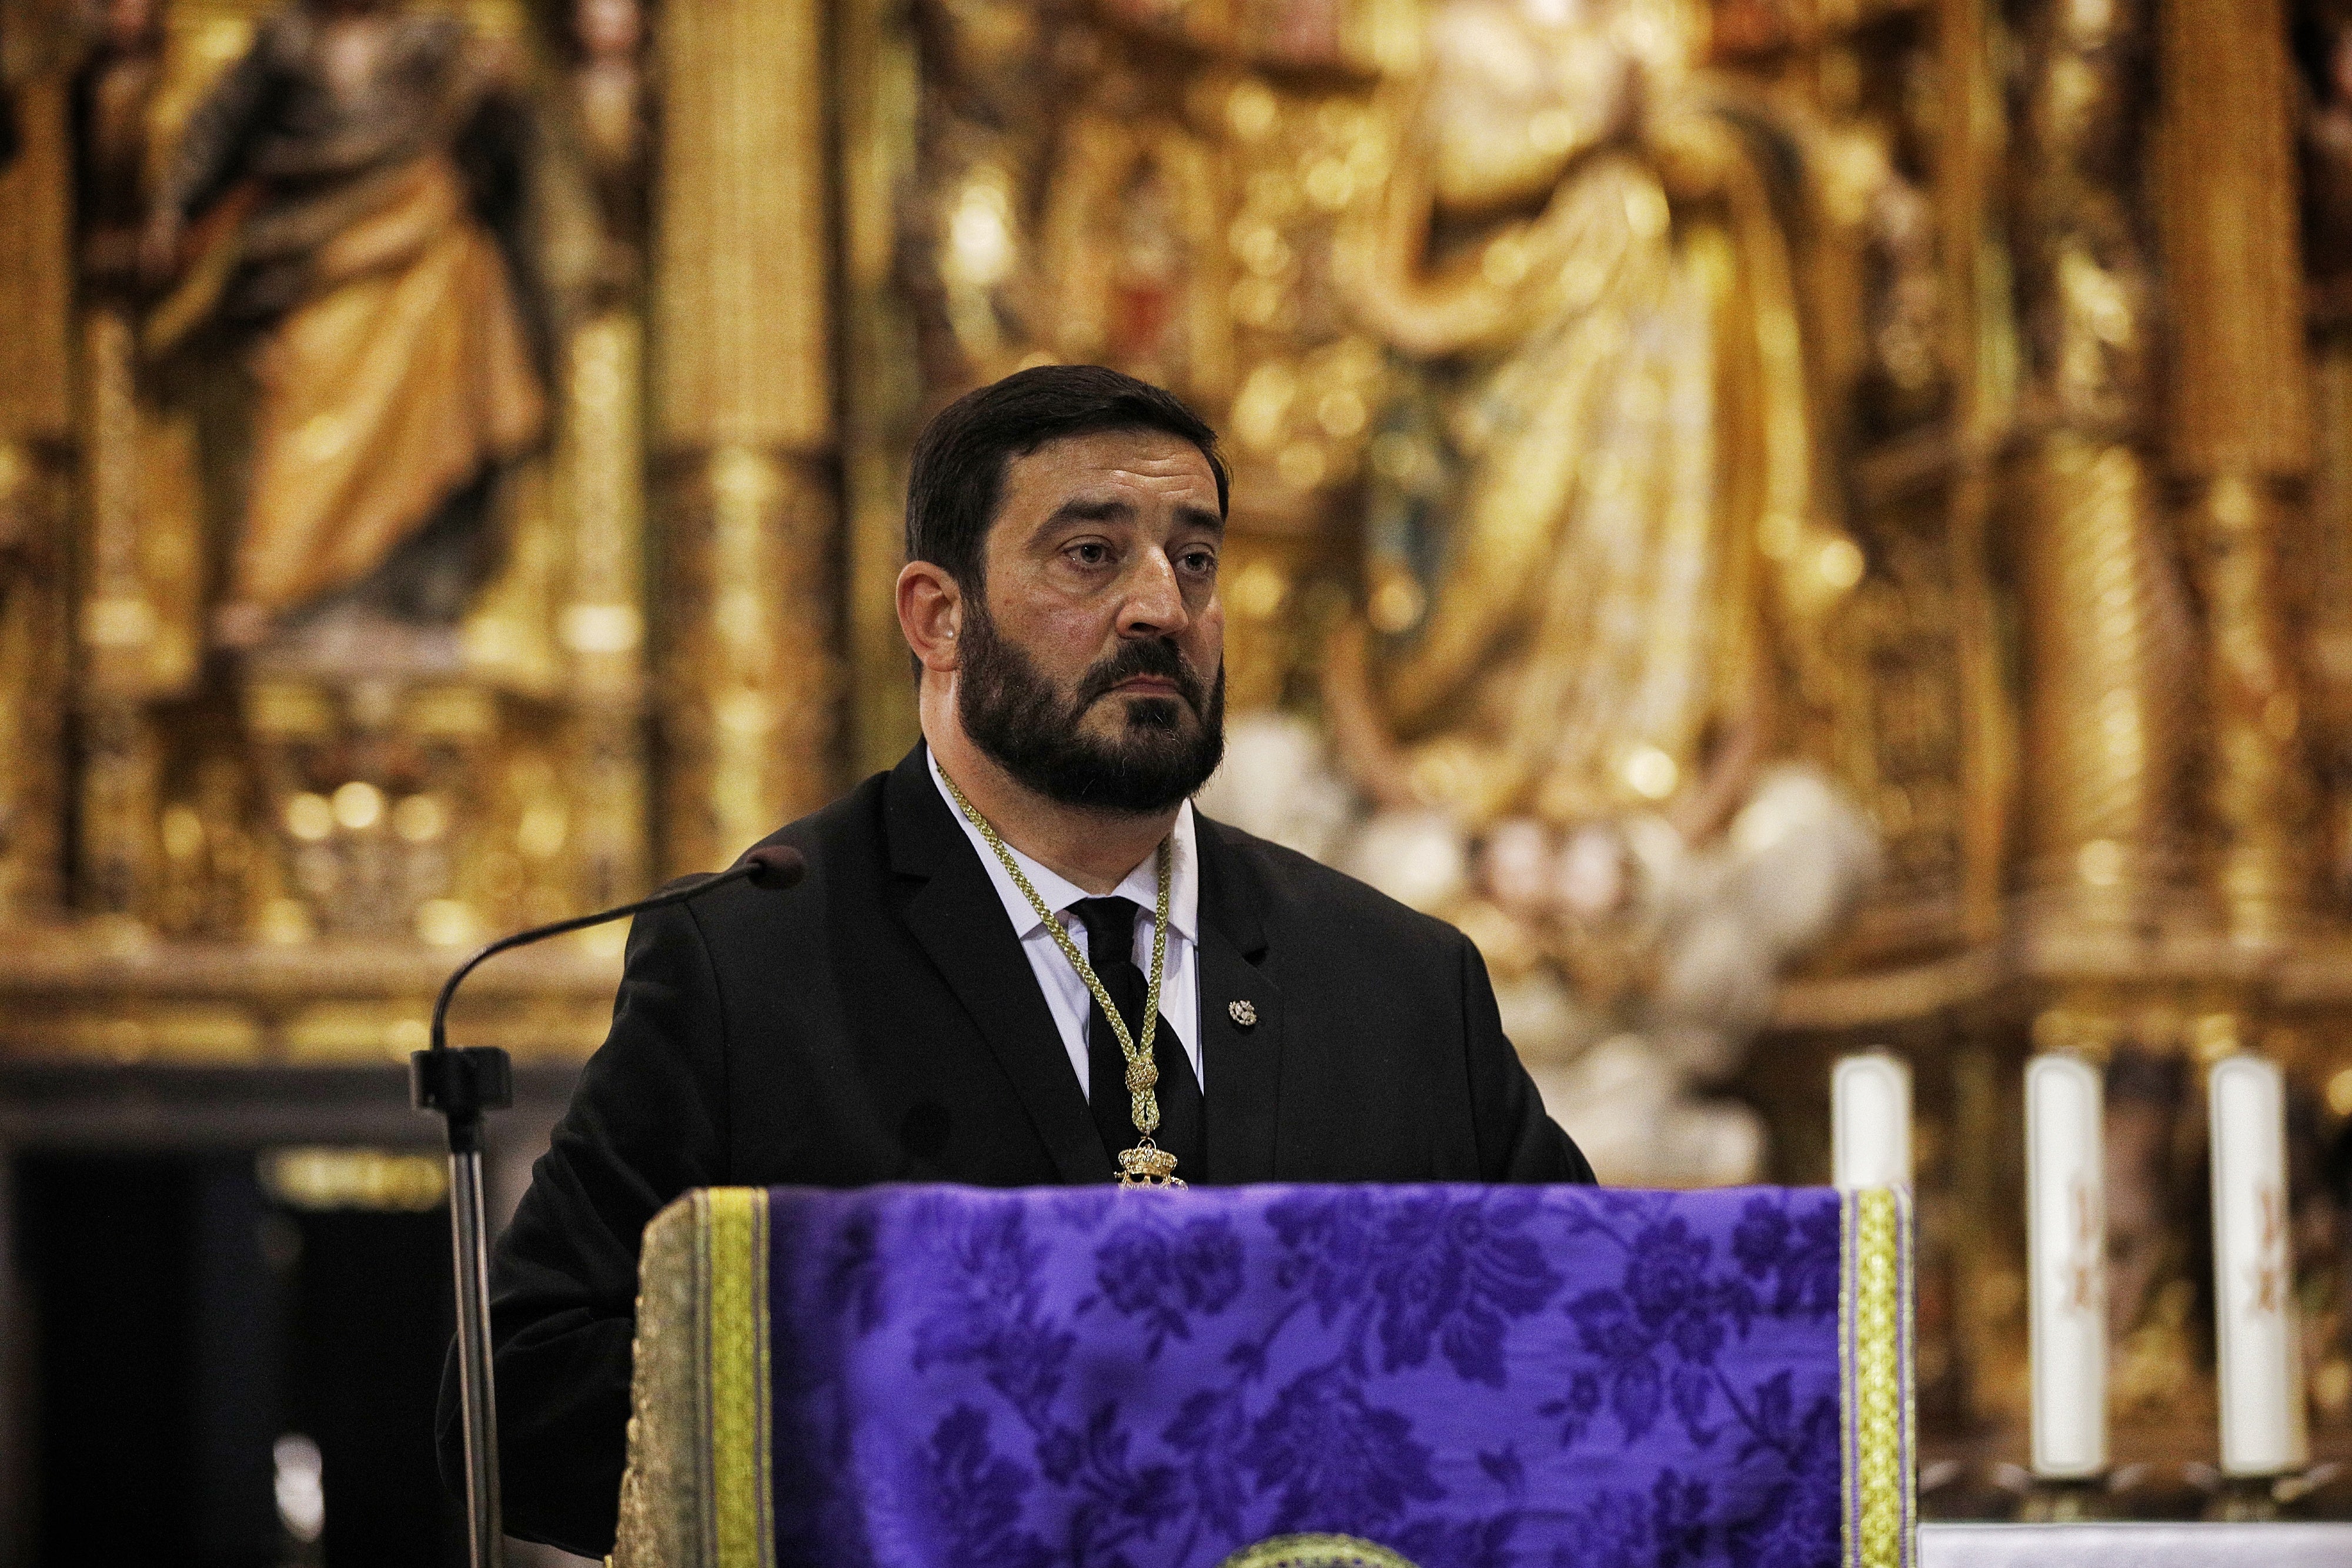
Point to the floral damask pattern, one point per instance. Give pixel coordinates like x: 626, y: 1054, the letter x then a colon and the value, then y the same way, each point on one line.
x: 1474, y: 1377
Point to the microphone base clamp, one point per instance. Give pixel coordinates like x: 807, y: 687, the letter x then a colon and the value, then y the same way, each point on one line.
x: 461, y: 1084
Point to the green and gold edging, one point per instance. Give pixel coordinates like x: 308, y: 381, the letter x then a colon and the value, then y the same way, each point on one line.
x: 695, y: 1493
x: 1878, y: 1514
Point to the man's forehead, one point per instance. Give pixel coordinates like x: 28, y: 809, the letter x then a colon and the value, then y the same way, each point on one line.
x: 1110, y: 461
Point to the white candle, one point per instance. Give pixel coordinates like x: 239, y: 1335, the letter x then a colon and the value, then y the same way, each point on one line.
x: 2253, y: 1273
x: 2066, y: 1254
x: 1870, y: 1121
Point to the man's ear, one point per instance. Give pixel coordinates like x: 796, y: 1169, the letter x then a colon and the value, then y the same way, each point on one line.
x: 930, y: 613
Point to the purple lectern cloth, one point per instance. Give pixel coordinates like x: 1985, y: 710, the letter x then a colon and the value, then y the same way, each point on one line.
x: 1485, y: 1376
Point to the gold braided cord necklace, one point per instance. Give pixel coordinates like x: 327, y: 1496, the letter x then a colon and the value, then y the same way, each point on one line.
x: 1146, y: 1164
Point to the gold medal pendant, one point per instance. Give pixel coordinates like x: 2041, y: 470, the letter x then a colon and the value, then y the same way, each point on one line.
x: 1148, y: 1164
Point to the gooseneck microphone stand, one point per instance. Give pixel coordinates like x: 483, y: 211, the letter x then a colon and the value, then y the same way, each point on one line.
x: 461, y: 1084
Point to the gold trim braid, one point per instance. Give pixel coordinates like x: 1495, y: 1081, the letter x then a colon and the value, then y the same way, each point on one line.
x: 735, y: 1254
x: 1875, y: 1300
x: 698, y: 1487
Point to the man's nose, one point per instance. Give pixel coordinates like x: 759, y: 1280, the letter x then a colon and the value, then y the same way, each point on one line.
x: 1154, y: 604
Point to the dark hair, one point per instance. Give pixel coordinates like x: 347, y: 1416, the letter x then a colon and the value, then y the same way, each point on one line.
x: 956, y: 476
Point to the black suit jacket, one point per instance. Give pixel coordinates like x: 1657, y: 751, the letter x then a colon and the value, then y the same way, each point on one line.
x: 880, y: 1023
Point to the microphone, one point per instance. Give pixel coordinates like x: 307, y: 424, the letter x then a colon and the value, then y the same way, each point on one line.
x: 461, y: 1084
x: 451, y: 1080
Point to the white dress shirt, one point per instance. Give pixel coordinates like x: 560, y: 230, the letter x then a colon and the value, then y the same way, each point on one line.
x: 1066, y: 993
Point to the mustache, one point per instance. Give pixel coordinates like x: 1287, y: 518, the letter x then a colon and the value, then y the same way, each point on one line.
x: 1157, y: 656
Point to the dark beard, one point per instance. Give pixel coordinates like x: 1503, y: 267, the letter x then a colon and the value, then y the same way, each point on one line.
x: 1013, y: 714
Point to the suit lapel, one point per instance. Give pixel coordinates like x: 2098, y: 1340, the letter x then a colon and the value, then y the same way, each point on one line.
x: 957, y: 917
x: 1242, y: 1062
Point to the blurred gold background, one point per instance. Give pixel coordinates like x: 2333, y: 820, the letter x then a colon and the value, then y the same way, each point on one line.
x: 1801, y: 524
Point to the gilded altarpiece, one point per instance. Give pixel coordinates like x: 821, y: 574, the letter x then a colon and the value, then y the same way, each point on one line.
x: 276, y: 771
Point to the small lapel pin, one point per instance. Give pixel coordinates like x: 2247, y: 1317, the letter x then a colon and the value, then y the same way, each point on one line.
x: 1243, y: 1014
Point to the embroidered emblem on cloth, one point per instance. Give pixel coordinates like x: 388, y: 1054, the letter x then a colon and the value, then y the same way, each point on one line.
x: 1314, y: 1551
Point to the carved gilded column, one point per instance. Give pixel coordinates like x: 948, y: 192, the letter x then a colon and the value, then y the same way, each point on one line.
x: 743, y: 415
x: 1977, y: 1255
x: 36, y: 426
x: 879, y: 90
x: 750, y: 694
x: 2239, y: 427
x: 1979, y: 335
x: 115, y: 623
x: 603, y: 627
x: 2103, y: 621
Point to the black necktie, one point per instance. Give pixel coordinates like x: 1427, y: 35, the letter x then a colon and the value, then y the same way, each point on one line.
x: 1110, y: 948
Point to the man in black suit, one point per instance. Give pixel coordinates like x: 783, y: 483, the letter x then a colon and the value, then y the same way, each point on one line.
x: 917, y: 1011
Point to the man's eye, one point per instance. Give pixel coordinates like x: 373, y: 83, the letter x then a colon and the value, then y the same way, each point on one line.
x: 1199, y: 560
x: 1089, y: 554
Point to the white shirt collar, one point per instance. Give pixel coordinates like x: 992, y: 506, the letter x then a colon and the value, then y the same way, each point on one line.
x: 1142, y: 884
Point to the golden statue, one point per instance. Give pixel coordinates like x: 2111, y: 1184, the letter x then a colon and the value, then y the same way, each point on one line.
x: 1599, y: 558
x: 339, y: 238
x: 1605, y: 496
